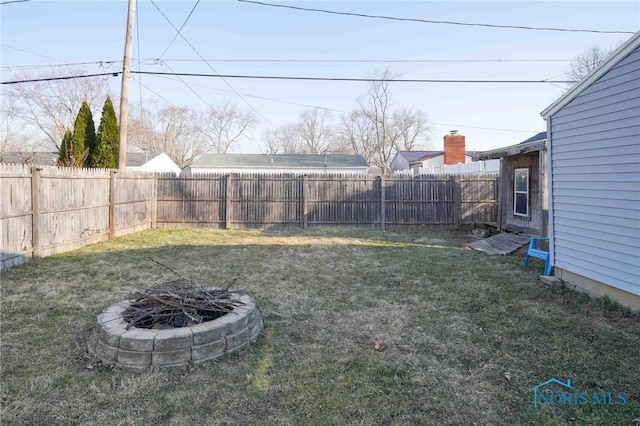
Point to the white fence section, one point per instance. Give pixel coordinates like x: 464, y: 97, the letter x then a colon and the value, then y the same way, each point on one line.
x: 488, y: 166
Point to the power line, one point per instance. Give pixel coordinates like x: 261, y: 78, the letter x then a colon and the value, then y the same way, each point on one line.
x: 260, y: 97
x: 160, y: 62
x: 482, y: 128
x: 13, y: 1
x: 429, y: 21
x: 68, y: 64
x: 186, y: 84
x: 374, y: 61
x: 213, y: 69
x: 68, y: 77
x: 31, y: 53
x: 277, y: 77
x: 155, y: 93
x: 379, y: 80
x: 254, y: 96
x: 180, y: 30
x: 318, y: 61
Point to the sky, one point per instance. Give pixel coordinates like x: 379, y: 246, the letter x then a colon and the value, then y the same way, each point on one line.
x: 43, y: 32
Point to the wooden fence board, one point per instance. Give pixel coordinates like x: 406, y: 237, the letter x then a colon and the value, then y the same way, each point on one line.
x: 48, y: 210
x: 74, y: 207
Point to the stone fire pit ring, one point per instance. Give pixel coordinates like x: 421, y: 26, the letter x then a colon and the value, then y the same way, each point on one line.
x: 140, y: 348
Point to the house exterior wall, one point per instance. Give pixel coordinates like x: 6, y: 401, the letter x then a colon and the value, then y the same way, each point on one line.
x: 535, y: 222
x: 430, y: 163
x: 594, y: 152
x: 399, y: 163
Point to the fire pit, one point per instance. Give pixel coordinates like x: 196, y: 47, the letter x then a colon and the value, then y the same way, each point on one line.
x: 123, y: 336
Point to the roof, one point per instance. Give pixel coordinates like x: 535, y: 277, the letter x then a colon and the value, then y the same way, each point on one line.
x: 134, y: 159
x: 38, y: 158
x: 412, y: 156
x: 137, y: 159
x: 267, y: 161
x: 619, y: 54
x: 535, y: 143
x: 538, y: 137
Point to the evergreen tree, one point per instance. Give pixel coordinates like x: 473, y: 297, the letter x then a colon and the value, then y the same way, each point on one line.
x: 105, y: 153
x: 84, y: 135
x: 66, y: 158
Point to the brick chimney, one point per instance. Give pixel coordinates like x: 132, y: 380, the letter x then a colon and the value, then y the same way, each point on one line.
x: 454, y: 148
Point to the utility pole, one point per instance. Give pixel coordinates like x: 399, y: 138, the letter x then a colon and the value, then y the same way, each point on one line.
x: 124, y: 91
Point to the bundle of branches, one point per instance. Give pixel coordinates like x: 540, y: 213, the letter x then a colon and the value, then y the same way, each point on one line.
x: 178, y: 307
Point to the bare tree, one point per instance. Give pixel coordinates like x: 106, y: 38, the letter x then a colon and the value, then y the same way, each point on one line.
x: 358, y: 132
x: 169, y: 129
x: 50, y: 107
x: 313, y: 133
x: 587, y: 61
x: 224, y: 125
x: 376, y: 130
x: 10, y: 139
x: 282, y: 140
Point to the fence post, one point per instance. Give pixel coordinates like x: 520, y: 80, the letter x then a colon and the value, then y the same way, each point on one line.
x: 227, y: 203
x: 154, y: 202
x: 383, y: 210
x: 36, y: 218
x: 112, y: 205
x: 457, y: 202
x: 305, y: 182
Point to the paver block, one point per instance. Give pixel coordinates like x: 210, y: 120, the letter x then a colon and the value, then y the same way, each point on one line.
x: 118, y: 308
x: 236, y: 341
x: 110, y: 332
x: 173, y: 339
x: 256, y: 329
x: 134, y: 358
x: 236, y: 322
x: 208, y: 350
x: 106, y: 353
x: 137, y: 339
x: 171, y: 358
x: 208, y: 332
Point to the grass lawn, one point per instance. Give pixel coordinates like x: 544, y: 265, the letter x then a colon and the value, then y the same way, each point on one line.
x: 467, y: 335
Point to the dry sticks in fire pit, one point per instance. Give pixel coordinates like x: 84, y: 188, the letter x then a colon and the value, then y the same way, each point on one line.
x: 179, y: 307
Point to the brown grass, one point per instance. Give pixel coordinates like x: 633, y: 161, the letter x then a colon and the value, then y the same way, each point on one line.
x: 466, y: 335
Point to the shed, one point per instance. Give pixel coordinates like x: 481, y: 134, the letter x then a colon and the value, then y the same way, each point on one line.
x: 278, y: 163
x: 523, y: 205
x: 151, y: 163
x: 593, y: 135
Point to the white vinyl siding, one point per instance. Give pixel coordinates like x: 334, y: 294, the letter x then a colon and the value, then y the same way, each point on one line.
x: 595, y: 179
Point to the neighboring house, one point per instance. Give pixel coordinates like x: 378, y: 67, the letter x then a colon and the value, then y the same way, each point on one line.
x: 160, y: 163
x: 408, y: 160
x: 593, y: 148
x: 420, y: 162
x: 35, y: 158
x: 151, y: 163
x: 523, y: 204
x: 278, y: 163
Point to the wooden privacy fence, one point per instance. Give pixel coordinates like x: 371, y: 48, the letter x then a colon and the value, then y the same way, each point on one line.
x: 259, y: 200
x: 48, y: 210
x: 51, y: 210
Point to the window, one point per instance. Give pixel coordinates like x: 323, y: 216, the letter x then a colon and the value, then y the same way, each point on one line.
x: 521, y: 192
